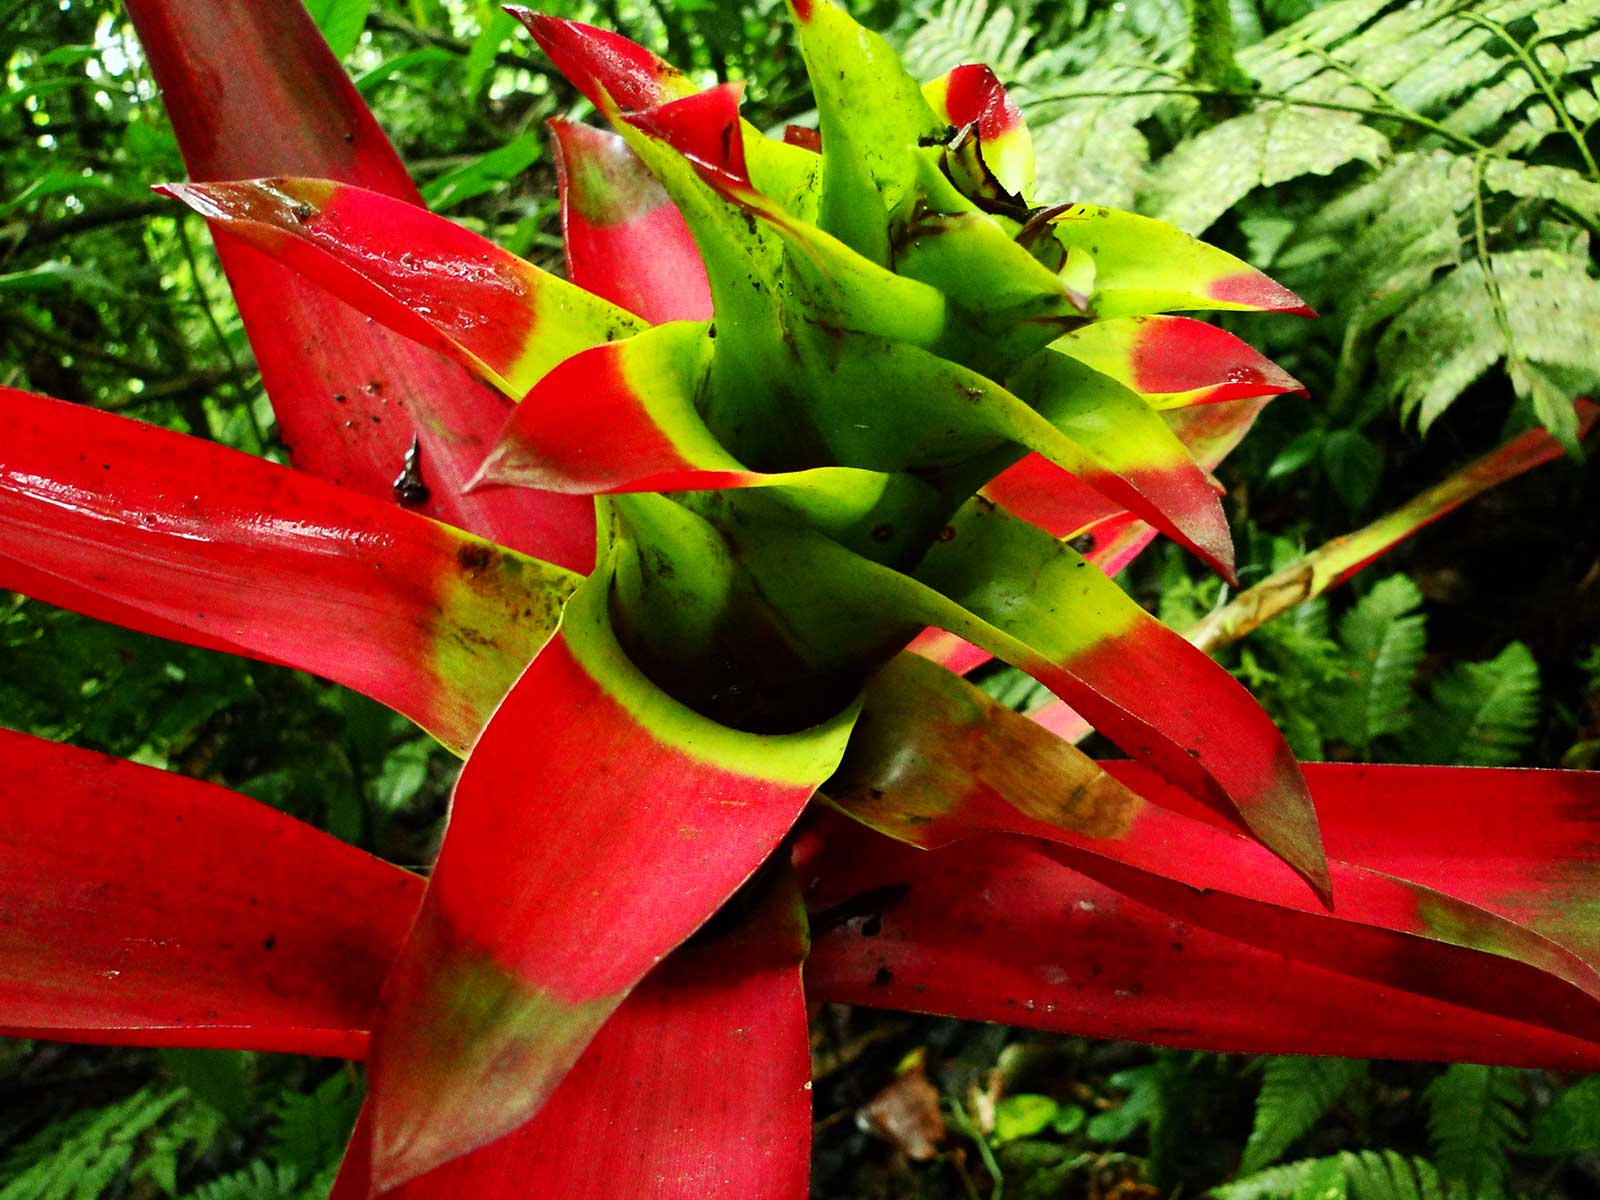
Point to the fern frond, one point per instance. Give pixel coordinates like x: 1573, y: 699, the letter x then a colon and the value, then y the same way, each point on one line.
x: 311, y: 1130
x: 1309, y: 1179
x: 1295, y: 1094
x: 1473, y: 1123
x: 1387, y: 1175
x: 1384, y: 637
x: 82, y: 1158
x: 258, y: 1181
x: 1208, y: 174
x: 1480, y: 714
x: 1571, y: 1125
x: 1453, y: 334
x: 1449, y: 242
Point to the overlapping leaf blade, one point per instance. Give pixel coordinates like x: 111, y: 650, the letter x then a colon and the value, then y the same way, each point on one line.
x: 697, y: 1087
x: 101, y: 865
x: 423, y: 276
x: 596, y: 825
x: 909, y: 776
x: 185, y: 539
x: 254, y: 91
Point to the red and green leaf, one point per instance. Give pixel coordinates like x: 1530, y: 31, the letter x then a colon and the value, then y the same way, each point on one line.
x: 1141, y: 265
x: 1136, y: 459
x: 596, y: 825
x: 1175, y: 362
x: 971, y: 95
x: 642, y: 393
x: 175, y: 536
x: 926, y: 769
x: 254, y: 91
x: 696, y: 1088
x: 992, y: 930
x: 1020, y: 594
x: 142, y: 908
x: 423, y: 276
x: 625, y: 240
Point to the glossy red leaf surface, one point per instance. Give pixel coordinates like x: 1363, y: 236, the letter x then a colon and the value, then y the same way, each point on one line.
x: 938, y: 762
x: 179, y: 537
x: 697, y: 1088
x: 1174, y: 362
x: 596, y: 825
x: 254, y: 91
x: 642, y: 392
x: 992, y: 930
x: 423, y: 276
x: 1141, y: 685
x: 600, y: 62
x: 144, y: 908
x: 624, y: 239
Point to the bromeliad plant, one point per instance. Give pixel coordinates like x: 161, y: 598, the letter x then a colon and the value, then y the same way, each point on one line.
x: 798, y: 402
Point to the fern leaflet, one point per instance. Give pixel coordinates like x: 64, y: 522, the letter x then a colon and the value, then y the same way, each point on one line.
x: 1480, y: 714
x: 1473, y: 1122
x: 1384, y: 637
x: 1295, y: 1093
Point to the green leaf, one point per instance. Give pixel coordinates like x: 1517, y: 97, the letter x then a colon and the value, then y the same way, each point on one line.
x: 1353, y: 467
x: 494, y: 27
x: 422, y: 56
x: 1571, y: 1125
x: 1385, y: 637
x: 78, y: 1159
x: 341, y: 22
x: 483, y: 174
x: 1295, y: 1094
x: 1473, y: 1123
x: 218, y: 1077
x: 1480, y: 714
x: 1144, y: 1104
x: 1024, y: 1115
x: 1309, y: 1179
x: 258, y: 1181
x: 310, y: 1131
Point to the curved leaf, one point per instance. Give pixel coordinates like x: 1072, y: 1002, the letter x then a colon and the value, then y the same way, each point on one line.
x: 102, y: 938
x: 1175, y: 362
x: 182, y: 538
x: 253, y: 91
x: 423, y: 276
x: 702, y: 1078
x: 972, y: 94
x: 1020, y: 594
x: 911, y: 773
x: 624, y: 238
x: 596, y: 825
x: 1146, y: 266
x: 992, y: 930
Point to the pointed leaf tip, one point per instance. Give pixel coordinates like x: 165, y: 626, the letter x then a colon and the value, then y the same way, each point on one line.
x: 704, y: 128
x: 606, y: 67
x: 1256, y: 290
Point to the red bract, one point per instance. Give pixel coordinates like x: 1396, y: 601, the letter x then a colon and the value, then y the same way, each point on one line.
x: 822, y: 355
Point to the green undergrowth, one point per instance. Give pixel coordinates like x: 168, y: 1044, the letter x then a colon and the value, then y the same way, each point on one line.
x: 1423, y: 173
x: 1035, y: 1118
x: 1409, y: 167
x: 210, y: 1125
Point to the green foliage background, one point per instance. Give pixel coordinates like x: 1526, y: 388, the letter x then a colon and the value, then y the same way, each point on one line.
x: 1423, y: 172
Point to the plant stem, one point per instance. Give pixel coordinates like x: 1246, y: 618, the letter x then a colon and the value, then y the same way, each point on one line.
x: 1336, y: 561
